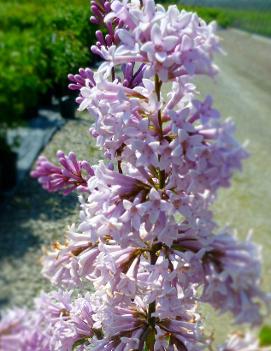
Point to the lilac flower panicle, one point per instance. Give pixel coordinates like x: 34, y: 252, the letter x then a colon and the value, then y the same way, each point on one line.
x: 146, y: 242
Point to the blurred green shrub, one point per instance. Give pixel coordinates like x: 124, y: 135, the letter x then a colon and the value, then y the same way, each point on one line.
x: 40, y: 43
x: 66, y: 39
x: 265, y: 336
x: 18, y: 16
x: 22, y: 74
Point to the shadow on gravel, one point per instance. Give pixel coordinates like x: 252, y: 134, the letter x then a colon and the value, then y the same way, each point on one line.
x: 21, y: 214
x: 3, y: 302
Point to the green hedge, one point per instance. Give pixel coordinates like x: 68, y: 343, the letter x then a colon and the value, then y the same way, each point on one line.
x: 40, y: 43
x: 23, y: 69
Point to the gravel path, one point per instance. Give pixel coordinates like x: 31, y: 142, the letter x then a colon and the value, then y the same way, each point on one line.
x: 33, y: 218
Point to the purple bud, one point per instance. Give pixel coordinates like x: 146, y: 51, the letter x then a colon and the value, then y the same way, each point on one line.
x: 94, y: 20
x: 96, y: 51
x: 108, y: 40
x: 73, y: 87
x: 107, y: 6
x: 100, y: 37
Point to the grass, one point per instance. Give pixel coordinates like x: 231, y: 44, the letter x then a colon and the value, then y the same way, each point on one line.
x: 254, y: 21
x: 251, y: 21
x: 260, y: 5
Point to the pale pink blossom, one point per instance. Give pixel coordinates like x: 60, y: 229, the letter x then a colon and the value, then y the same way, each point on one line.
x: 171, y: 43
x: 68, y: 264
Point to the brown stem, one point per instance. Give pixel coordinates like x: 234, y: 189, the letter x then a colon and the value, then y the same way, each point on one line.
x: 98, y: 333
x: 162, y: 179
x: 158, y: 85
x: 113, y: 74
x: 119, y: 167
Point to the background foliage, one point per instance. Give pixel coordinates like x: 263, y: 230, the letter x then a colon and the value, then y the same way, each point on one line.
x: 41, y: 41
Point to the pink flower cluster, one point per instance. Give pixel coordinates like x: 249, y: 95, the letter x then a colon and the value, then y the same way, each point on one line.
x: 171, y: 42
x: 56, y: 324
x: 146, y: 239
x: 71, y: 174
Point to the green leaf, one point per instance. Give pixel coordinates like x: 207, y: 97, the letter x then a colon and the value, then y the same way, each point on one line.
x: 265, y: 336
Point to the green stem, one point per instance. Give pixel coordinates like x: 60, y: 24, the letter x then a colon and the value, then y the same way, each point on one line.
x: 143, y: 338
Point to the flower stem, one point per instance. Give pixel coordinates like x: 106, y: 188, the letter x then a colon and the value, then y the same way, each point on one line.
x: 113, y: 75
x: 158, y: 85
x: 152, y: 306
